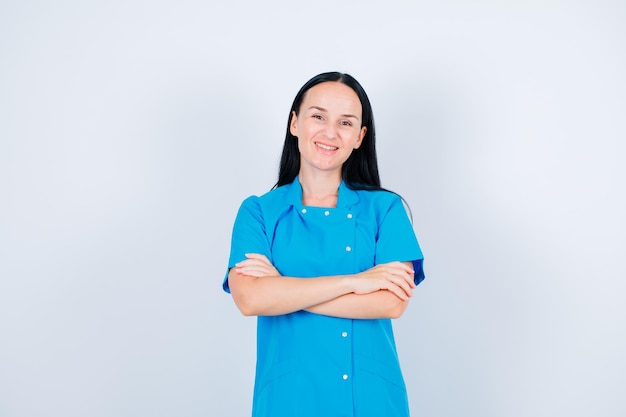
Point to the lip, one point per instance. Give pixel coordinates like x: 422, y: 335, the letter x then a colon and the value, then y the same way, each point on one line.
x: 326, y: 148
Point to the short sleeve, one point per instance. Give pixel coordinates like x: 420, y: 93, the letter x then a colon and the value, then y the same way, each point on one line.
x: 248, y: 235
x: 396, y: 240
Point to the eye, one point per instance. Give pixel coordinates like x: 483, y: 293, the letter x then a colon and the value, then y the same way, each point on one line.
x: 317, y: 116
x: 345, y: 123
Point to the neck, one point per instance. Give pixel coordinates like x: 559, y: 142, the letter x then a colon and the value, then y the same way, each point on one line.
x: 320, y: 189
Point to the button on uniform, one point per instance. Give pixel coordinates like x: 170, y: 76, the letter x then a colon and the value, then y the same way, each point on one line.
x: 344, y: 334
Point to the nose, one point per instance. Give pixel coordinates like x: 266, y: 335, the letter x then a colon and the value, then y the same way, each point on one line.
x: 331, y: 131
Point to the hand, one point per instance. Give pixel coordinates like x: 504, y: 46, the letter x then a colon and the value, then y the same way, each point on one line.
x: 396, y: 277
x: 256, y: 265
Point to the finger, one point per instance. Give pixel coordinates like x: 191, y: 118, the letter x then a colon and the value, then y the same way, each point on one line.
x: 255, y: 271
x: 406, y: 272
x: 409, y: 277
x: 257, y: 256
x: 406, y: 267
x: 403, y: 284
x: 257, y: 266
x: 405, y: 280
x: 246, y: 265
x: 398, y: 292
x: 252, y: 262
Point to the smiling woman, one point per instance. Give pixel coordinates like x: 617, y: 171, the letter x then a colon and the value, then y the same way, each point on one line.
x: 325, y: 260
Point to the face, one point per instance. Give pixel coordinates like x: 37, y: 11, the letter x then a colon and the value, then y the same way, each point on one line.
x: 328, y: 127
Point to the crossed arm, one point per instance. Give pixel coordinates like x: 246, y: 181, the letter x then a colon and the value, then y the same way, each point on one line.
x: 383, y: 291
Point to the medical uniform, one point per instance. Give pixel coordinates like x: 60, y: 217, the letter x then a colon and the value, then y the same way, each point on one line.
x: 315, y: 365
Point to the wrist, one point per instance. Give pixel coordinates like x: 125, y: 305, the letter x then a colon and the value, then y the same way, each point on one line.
x: 347, y: 284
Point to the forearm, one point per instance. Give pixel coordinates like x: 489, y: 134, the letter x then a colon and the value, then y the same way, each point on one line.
x: 276, y: 295
x: 379, y: 304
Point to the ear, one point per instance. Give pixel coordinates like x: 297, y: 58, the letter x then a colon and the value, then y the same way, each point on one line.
x: 361, y: 136
x: 293, y: 126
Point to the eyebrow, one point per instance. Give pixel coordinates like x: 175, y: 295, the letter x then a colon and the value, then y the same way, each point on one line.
x: 326, y: 111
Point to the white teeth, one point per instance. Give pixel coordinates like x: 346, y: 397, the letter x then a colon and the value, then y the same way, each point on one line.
x: 327, y: 148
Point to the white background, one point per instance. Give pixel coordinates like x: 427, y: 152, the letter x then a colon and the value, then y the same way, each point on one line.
x: 131, y: 131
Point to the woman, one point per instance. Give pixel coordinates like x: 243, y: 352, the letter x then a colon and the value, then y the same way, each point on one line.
x: 325, y: 260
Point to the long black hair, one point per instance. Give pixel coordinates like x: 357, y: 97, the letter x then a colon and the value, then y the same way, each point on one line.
x: 360, y: 171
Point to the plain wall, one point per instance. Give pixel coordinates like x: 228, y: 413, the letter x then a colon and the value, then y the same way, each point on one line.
x: 131, y: 131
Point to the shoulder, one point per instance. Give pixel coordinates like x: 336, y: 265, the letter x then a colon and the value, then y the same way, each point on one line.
x: 379, y: 198
x: 271, y: 197
x: 250, y: 204
x: 383, y: 205
x: 268, y: 205
x: 275, y: 195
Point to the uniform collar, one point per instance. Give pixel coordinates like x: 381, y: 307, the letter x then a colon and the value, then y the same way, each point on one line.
x: 346, y: 196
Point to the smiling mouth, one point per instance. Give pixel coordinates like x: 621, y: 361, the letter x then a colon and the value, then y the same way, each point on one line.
x: 326, y: 147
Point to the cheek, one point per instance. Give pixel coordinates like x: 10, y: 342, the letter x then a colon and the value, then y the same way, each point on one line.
x: 356, y: 139
x: 310, y: 130
x: 302, y: 144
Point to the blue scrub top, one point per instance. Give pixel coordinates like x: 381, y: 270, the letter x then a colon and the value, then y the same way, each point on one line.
x: 315, y: 365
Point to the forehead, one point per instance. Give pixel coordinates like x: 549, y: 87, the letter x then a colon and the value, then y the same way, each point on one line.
x: 332, y: 96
